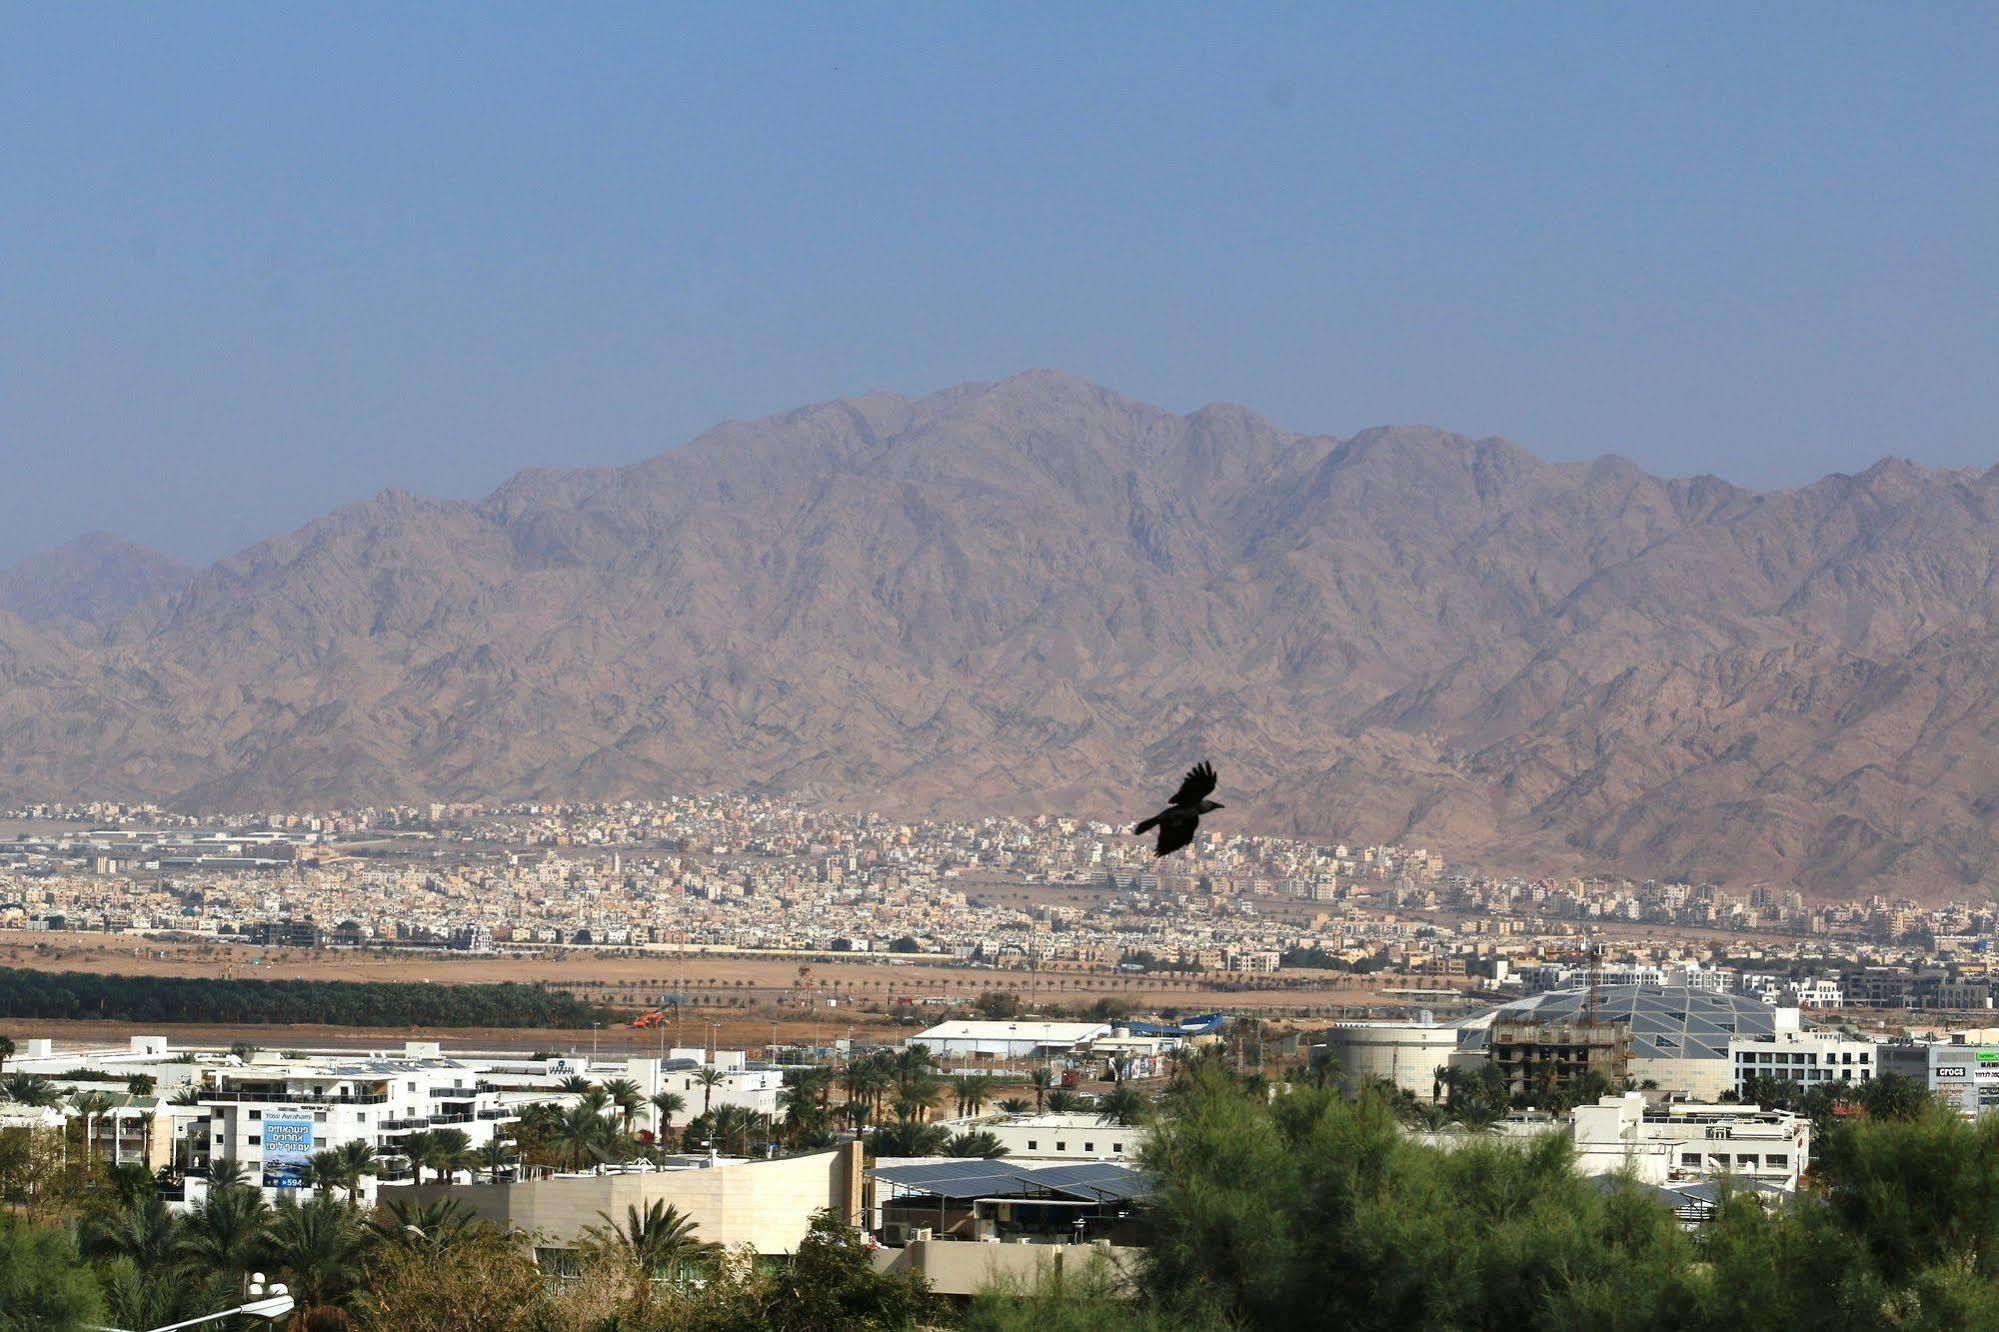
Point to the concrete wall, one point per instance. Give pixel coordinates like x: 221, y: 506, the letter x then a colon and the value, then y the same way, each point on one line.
x: 957, y: 1267
x: 767, y: 1205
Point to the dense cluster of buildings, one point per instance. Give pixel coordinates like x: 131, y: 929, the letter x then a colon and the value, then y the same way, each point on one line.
x: 746, y: 873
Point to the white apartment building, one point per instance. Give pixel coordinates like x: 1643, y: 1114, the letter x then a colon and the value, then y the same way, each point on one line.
x: 1801, y: 1056
x: 1058, y: 1137
x: 272, y: 1114
x: 1817, y: 992
x: 676, y: 1070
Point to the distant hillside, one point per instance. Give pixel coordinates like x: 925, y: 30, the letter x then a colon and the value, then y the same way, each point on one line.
x: 1037, y: 594
x: 94, y: 580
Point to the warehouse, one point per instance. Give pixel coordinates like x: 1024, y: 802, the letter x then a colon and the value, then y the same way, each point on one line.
x: 1008, y: 1040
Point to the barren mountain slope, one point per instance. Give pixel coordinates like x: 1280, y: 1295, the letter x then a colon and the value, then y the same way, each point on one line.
x: 1036, y: 594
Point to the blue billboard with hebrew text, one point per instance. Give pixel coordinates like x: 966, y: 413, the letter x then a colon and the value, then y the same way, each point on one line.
x: 287, y: 1147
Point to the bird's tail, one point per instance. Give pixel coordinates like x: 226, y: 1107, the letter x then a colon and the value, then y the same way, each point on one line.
x: 1146, y: 826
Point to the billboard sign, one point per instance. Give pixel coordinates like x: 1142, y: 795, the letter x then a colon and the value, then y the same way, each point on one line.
x: 287, y: 1147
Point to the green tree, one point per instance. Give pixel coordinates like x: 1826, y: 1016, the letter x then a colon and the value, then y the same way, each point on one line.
x: 223, y: 1231
x: 317, y: 1246
x: 709, y: 1079
x: 44, y: 1286
x: 657, y: 1242
x: 625, y: 1094
x: 976, y: 1143
x: 1122, y: 1104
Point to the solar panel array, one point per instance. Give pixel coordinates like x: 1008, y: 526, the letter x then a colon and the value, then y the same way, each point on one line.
x: 1666, y: 1021
x: 1089, y: 1181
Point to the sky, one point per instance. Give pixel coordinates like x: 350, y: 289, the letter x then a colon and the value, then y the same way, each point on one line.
x: 257, y: 261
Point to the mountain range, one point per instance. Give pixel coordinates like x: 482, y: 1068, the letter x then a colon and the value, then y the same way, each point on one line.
x: 1036, y: 594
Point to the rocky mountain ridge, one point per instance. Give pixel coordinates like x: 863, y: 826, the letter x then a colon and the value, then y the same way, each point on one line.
x: 1037, y: 594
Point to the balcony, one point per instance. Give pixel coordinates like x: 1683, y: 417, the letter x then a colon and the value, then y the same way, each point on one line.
x: 293, y: 1098
x: 498, y: 1112
x: 451, y: 1119
x: 397, y: 1125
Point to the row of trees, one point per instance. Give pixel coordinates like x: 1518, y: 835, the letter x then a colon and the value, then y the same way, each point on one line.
x: 88, y: 995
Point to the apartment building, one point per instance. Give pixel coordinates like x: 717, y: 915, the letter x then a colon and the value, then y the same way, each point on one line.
x: 272, y: 1114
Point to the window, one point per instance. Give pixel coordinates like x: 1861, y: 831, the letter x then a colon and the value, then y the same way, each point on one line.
x: 256, y: 1114
x: 1061, y: 1146
x: 1032, y: 1144
x: 1690, y: 1159
x: 256, y: 1139
x: 1089, y: 1146
x: 1118, y: 1148
x: 1778, y: 1161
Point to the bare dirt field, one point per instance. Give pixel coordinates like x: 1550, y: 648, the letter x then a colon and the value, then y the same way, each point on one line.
x: 822, y: 992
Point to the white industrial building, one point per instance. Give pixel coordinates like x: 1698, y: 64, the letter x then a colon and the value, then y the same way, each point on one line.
x: 1057, y: 1137
x: 1008, y: 1040
x: 1961, y: 1073
x: 1407, y: 1054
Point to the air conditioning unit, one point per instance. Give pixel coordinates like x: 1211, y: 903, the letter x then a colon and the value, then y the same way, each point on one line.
x: 920, y: 1233
x: 895, y: 1234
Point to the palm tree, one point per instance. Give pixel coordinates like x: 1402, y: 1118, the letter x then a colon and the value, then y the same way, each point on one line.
x: 969, y: 1091
x: 141, y: 1084
x: 710, y: 1079
x: 227, y: 1173
x: 908, y: 1138
x: 324, y: 1170
x: 448, y: 1152
x: 495, y: 1156
x: 1042, y: 1079
x: 580, y: 1129
x: 357, y: 1158
x: 186, y: 1096
x: 90, y: 1105
x: 980, y: 1143
x: 6, y: 1051
x: 145, y: 1231
x: 1122, y: 1104
x: 625, y: 1094
x: 1014, y: 1105
x: 318, y: 1247
x: 27, y: 1089
x: 668, y: 1104
x: 575, y: 1082
x: 440, y: 1223
x: 732, y: 1129
x: 1062, y: 1100
x: 221, y: 1233
x: 417, y: 1147
x: 657, y: 1241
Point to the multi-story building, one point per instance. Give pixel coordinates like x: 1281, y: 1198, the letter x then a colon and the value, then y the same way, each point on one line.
x: 1964, y: 1076
x: 1685, y: 1141
x: 1808, y: 1057
x: 272, y: 1114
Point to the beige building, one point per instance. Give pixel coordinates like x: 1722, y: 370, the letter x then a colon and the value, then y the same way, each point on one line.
x: 767, y: 1205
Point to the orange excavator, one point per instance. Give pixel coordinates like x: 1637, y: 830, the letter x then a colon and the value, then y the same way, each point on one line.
x: 652, y: 1019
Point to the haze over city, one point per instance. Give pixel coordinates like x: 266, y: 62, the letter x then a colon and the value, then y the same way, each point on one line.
x: 256, y: 268
x: 995, y: 668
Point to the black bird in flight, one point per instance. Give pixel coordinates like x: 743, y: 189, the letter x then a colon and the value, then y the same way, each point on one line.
x: 1177, y: 822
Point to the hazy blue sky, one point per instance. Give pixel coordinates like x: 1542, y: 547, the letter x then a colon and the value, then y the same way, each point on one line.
x: 259, y: 260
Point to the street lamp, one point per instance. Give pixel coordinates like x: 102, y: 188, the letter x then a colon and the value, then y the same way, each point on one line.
x: 269, y: 1303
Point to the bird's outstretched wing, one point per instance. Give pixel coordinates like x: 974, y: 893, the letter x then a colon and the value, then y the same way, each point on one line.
x: 1174, y: 834
x: 1198, y: 784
